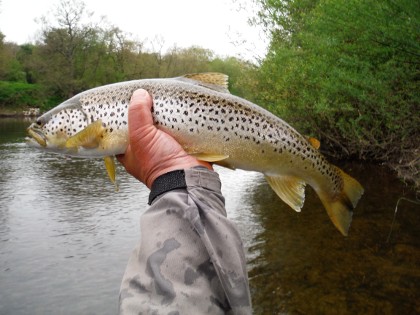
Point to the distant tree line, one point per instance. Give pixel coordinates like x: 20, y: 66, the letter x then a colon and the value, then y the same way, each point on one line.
x: 73, y: 54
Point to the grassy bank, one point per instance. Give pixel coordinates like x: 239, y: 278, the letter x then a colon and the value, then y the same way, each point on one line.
x: 17, y: 98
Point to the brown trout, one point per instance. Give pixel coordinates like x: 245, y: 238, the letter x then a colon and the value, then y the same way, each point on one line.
x: 211, y: 124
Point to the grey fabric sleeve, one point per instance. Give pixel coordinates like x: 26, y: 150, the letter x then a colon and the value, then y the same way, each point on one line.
x: 190, y: 259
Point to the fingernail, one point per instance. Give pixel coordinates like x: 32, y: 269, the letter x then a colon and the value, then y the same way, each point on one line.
x: 139, y: 94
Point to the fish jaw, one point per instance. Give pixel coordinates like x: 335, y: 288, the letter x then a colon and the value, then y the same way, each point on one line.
x: 36, y: 135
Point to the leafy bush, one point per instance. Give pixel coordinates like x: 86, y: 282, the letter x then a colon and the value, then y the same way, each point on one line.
x: 346, y: 71
x: 20, y: 95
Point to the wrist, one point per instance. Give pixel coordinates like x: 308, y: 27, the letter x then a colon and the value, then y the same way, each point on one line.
x: 169, y: 181
x: 178, y: 166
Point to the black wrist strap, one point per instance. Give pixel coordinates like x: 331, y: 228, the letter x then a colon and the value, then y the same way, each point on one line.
x: 167, y: 182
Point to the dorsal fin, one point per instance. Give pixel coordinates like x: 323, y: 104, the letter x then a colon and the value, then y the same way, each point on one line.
x: 212, y: 80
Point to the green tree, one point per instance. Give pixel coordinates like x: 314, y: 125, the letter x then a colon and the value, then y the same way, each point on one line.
x: 10, y: 67
x: 242, y: 75
x: 179, y: 61
x: 65, y: 44
x: 346, y: 71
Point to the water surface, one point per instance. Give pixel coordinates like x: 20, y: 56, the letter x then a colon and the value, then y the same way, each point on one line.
x: 65, y: 238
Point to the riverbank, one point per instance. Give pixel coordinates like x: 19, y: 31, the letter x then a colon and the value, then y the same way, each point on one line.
x: 408, y: 170
x: 20, y: 112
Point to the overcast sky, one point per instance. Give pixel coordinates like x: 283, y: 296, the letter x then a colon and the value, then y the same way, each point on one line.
x: 219, y: 25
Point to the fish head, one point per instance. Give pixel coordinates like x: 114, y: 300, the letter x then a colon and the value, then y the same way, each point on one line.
x: 82, y: 126
x: 52, y: 130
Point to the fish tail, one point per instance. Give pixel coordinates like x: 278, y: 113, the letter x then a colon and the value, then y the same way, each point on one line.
x: 340, y: 207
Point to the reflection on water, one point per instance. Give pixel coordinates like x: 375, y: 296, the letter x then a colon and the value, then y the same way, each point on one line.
x: 306, y: 267
x: 65, y: 237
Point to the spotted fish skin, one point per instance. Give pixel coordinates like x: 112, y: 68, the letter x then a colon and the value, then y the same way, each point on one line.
x: 209, y: 123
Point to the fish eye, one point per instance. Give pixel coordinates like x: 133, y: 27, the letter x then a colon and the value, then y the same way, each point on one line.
x: 38, y: 122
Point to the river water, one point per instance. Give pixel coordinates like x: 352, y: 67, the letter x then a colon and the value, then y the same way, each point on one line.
x: 66, y: 235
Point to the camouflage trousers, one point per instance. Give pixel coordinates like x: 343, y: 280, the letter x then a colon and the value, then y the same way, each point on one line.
x: 190, y: 259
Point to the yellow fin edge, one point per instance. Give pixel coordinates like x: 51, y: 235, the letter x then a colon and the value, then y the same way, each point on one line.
x: 289, y: 188
x: 340, y: 208
x: 207, y: 157
x: 111, y: 170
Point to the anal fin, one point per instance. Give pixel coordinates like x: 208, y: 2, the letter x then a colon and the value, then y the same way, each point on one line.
x: 110, y: 169
x: 289, y: 188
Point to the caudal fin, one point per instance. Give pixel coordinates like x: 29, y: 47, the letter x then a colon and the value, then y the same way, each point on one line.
x: 340, y: 207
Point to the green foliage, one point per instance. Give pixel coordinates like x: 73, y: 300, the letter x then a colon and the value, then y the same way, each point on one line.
x: 19, y: 94
x: 346, y: 71
x: 75, y: 53
x: 241, y: 75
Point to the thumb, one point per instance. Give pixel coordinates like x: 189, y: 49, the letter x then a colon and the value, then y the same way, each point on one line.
x: 139, y: 111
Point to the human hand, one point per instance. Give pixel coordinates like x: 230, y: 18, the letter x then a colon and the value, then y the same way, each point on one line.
x: 151, y: 152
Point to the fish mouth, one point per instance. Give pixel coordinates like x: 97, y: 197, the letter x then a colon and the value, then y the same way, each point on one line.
x: 35, y: 132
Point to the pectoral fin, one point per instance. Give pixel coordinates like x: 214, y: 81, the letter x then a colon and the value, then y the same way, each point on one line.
x: 89, y: 137
x: 209, y: 157
x: 290, y: 189
x: 110, y: 168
